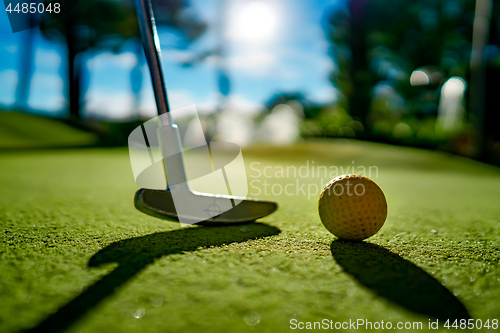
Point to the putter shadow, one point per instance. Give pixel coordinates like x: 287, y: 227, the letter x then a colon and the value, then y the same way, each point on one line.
x: 134, y: 254
x: 397, y: 280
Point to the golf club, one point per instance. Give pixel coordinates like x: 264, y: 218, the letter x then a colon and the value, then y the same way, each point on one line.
x: 204, y: 208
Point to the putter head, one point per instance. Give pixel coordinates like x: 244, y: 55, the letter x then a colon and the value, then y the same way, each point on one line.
x: 160, y: 204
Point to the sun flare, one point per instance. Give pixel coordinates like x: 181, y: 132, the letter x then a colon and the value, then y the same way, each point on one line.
x: 253, y: 22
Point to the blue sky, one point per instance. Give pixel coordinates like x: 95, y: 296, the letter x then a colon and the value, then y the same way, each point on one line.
x: 294, y: 57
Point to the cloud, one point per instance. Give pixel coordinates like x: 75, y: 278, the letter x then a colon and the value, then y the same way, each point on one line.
x: 8, y: 77
x: 109, y: 104
x: 309, y: 59
x: 181, y: 98
x: 176, y: 99
x: 106, y: 59
x: 236, y: 102
x: 177, y: 56
x: 11, y: 48
x: 252, y: 61
x: 46, y: 92
x: 53, y: 101
x: 46, y: 58
x: 8, y: 83
x: 46, y: 81
x: 324, y: 95
x: 210, y: 104
x: 239, y: 103
x: 261, y: 63
x: 277, y: 62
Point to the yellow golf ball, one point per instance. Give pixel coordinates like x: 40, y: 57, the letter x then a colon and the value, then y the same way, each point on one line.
x: 352, y: 207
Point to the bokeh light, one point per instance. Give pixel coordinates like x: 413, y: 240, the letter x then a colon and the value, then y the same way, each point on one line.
x: 419, y: 78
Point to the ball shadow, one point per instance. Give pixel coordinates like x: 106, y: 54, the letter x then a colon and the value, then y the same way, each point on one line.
x: 397, y: 280
x: 134, y: 254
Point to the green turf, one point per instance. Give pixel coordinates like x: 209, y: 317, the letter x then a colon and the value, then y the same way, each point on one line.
x: 21, y: 130
x: 74, y: 253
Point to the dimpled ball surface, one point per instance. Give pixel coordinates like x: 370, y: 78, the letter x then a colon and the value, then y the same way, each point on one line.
x: 352, y: 207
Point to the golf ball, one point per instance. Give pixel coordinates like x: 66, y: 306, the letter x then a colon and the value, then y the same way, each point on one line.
x: 352, y: 207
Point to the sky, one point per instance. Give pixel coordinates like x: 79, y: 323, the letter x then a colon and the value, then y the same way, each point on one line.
x: 271, y: 47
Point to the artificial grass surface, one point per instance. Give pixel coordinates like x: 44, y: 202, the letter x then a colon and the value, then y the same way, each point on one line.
x: 76, y: 255
x: 26, y: 131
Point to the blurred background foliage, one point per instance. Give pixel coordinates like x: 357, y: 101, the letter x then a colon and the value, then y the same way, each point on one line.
x: 406, y: 76
x: 418, y: 73
x: 108, y: 24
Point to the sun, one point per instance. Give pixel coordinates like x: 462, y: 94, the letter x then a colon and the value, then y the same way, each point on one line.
x: 255, y: 21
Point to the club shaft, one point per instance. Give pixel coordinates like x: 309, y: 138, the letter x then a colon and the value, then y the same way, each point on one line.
x: 152, y: 50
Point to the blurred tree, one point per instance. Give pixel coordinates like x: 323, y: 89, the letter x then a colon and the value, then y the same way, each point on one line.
x: 90, y: 24
x: 378, y: 44
x: 25, y: 70
x: 218, y: 52
x: 309, y: 110
x: 106, y: 24
x: 174, y: 14
x: 478, y: 63
x: 136, y: 79
x: 346, y: 28
x: 491, y: 143
x: 283, y: 97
